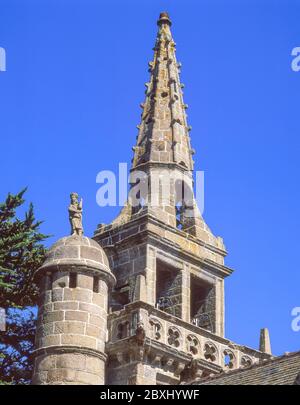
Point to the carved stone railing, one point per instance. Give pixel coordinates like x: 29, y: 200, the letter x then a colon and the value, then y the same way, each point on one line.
x: 184, y: 337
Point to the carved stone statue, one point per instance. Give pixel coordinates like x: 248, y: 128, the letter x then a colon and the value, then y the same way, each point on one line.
x: 75, y: 215
x: 140, y: 333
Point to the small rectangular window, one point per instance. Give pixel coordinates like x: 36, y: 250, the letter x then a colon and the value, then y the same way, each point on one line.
x: 96, y: 284
x: 73, y: 280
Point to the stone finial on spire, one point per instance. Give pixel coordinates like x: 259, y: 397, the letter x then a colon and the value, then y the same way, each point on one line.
x: 75, y: 215
x: 264, y: 341
x: 164, y: 18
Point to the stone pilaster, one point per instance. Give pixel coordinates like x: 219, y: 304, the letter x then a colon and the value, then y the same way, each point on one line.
x: 186, y: 294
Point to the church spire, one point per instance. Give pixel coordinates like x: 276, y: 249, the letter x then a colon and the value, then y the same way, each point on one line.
x: 161, y: 175
x: 163, y: 132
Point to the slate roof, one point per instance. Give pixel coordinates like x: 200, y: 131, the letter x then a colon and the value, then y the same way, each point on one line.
x: 282, y: 370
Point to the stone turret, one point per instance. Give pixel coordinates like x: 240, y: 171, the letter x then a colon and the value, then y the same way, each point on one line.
x: 72, y: 318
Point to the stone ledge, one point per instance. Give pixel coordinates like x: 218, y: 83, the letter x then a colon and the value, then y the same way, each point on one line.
x: 69, y: 349
x: 77, y: 266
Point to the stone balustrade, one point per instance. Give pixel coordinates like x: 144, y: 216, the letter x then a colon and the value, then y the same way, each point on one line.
x: 186, y: 338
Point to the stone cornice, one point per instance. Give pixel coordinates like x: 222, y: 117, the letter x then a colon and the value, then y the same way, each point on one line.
x: 168, y: 165
x: 216, y: 268
x: 77, y: 266
x: 69, y: 349
x: 149, y: 218
x: 143, y: 234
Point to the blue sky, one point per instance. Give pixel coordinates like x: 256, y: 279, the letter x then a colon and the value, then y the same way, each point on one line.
x: 69, y: 103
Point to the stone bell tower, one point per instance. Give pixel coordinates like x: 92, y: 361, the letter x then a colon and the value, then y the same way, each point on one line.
x: 158, y: 265
x: 72, y: 317
x: 166, y: 321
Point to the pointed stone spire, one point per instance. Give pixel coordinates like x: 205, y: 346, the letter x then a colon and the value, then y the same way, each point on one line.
x: 163, y: 132
x: 163, y: 151
x: 264, y: 341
